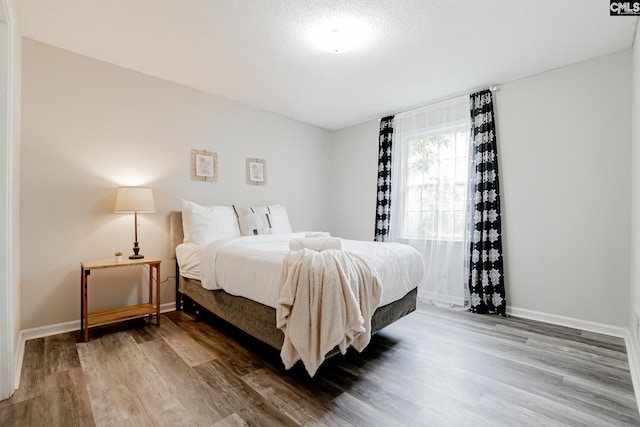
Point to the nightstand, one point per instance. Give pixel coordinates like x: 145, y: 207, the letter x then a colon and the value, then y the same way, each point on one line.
x: 88, y: 320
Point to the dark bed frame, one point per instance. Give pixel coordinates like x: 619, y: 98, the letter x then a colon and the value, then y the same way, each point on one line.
x: 253, y: 318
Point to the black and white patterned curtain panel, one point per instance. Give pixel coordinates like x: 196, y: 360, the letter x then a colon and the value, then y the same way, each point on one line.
x: 486, y: 275
x: 383, y: 207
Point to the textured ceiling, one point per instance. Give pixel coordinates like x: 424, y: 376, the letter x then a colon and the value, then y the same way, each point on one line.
x: 258, y: 52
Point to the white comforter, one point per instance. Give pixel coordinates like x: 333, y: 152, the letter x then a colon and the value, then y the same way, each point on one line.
x: 250, y: 266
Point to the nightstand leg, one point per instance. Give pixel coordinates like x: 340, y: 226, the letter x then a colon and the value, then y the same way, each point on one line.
x: 85, y: 309
x: 151, y: 266
x: 82, y: 301
x: 158, y: 294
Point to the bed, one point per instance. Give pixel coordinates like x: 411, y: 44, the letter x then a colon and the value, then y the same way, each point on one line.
x: 257, y: 319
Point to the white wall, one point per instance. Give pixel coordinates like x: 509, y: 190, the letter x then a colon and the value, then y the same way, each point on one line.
x: 565, y: 176
x: 634, y: 290
x: 89, y: 127
x: 563, y: 141
x: 354, y: 177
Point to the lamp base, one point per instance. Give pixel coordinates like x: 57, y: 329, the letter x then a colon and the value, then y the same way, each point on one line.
x: 136, y: 249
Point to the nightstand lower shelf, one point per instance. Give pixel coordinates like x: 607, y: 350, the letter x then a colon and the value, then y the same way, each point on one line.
x: 150, y: 309
x: 119, y: 314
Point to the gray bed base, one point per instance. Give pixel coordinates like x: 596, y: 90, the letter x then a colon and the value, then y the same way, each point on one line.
x: 256, y: 319
x: 259, y: 320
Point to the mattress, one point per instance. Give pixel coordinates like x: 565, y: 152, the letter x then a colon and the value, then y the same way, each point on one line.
x: 251, y: 266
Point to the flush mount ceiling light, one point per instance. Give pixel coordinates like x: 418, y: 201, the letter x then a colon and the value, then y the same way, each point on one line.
x: 339, y: 35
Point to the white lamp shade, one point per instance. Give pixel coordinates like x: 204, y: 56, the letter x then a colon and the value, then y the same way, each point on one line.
x: 135, y: 199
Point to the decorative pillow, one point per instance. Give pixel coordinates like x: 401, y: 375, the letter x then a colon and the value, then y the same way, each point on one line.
x: 254, y: 221
x: 209, y: 223
x: 272, y: 219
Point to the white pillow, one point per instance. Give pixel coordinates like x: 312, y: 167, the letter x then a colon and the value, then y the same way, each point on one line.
x: 279, y: 219
x: 186, y: 221
x: 209, y: 223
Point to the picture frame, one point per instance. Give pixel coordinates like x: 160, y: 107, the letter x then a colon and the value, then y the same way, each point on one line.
x: 256, y: 171
x: 204, y: 166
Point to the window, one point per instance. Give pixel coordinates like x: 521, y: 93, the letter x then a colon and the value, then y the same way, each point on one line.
x: 430, y: 167
x: 437, y: 185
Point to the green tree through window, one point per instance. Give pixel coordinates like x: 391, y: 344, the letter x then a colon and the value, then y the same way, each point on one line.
x: 437, y: 175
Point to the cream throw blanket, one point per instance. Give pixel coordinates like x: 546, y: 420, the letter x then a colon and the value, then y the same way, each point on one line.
x: 326, y: 300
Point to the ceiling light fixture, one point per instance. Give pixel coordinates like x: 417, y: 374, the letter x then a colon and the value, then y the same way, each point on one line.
x: 339, y: 35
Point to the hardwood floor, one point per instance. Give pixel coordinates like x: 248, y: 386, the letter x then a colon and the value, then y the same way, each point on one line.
x: 435, y: 367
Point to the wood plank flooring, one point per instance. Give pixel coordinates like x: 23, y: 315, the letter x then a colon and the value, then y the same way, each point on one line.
x: 436, y: 367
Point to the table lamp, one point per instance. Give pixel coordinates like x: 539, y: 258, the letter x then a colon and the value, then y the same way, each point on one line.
x: 134, y: 200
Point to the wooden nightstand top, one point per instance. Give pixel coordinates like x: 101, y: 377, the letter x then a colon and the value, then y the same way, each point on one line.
x: 111, y: 262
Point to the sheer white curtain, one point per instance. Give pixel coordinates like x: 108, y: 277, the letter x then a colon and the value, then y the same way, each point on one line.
x: 430, y: 175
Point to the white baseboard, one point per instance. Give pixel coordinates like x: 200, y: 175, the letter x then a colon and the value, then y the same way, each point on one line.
x: 58, y: 328
x: 441, y: 300
x: 17, y: 361
x: 634, y: 363
x: 583, y: 325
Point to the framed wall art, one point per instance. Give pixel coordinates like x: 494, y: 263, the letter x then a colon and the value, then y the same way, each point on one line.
x: 256, y: 171
x: 204, y: 166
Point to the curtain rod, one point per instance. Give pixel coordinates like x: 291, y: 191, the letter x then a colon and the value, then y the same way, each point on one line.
x: 492, y: 88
